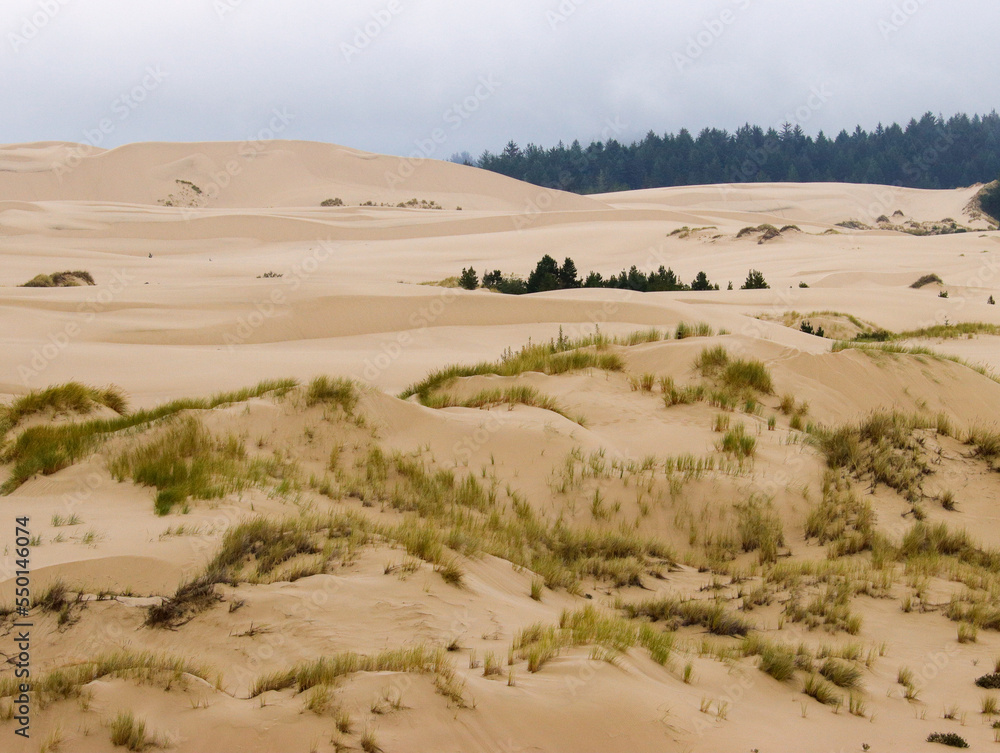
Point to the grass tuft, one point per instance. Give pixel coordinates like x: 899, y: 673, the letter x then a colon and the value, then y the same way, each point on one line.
x: 333, y: 391
x: 822, y: 691
x: 129, y: 732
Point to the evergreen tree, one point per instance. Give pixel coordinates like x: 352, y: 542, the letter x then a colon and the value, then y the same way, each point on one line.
x: 492, y: 279
x: 755, y: 281
x: 701, y: 282
x: 664, y: 279
x: 469, y: 279
x: 545, y: 276
x: 568, y: 276
x: 968, y: 151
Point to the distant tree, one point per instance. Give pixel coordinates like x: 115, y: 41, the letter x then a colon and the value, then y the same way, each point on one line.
x: 808, y: 329
x: 636, y: 280
x: 463, y: 158
x: 568, y: 276
x: 730, y: 285
x: 512, y: 286
x: 701, y: 282
x: 755, y: 281
x: 663, y: 279
x: 545, y: 276
x: 754, y: 154
x: 594, y: 280
x: 991, y: 301
x: 492, y: 279
x: 469, y: 279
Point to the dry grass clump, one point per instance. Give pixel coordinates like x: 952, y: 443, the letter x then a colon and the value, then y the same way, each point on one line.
x: 129, y: 732
x: 685, y: 330
x: 335, y: 391
x: 842, y: 519
x: 948, y: 738
x: 985, y: 443
x: 747, y: 375
x: 255, y: 551
x: 69, y: 681
x: 712, y: 615
x: 730, y: 382
x: 822, y: 691
x: 938, y: 540
x: 465, y: 515
x: 738, y: 443
x: 840, y: 673
x: 68, y: 279
x: 829, y: 608
x: 191, y: 597
x: 71, y: 397
x: 48, y: 449
x: 512, y: 395
x: 185, y: 460
x: 776, y: 660
x: 327, y: 670
x: 882, y: 448
x: 712, y: 360
x: 539, y: 643
x: 927, y: 280
x: 767, y: 229
x: 760, y: 528
x: 556, y: 357
x: 641, y: 337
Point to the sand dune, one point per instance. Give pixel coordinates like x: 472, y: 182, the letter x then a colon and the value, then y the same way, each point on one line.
x: 450, y: 523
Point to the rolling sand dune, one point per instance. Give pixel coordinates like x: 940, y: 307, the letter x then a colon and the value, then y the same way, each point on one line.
x: 633, y: 552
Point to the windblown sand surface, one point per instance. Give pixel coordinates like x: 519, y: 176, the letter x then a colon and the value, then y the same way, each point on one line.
x: 182, y: 309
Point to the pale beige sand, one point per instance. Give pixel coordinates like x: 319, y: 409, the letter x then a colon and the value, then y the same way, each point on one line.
x: 179, y: 310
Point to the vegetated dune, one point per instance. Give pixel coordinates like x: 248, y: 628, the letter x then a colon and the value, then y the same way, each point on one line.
x: 258, y: 174
x: 583, y: 520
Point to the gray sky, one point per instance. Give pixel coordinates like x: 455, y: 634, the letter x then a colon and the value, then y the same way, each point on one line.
x: 437, y: 77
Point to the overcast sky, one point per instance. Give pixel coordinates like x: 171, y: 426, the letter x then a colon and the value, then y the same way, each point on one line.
x: 439, y: 76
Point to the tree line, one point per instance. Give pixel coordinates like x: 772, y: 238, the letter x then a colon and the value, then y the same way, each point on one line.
x: 927, y: 153
x: 548, y: 274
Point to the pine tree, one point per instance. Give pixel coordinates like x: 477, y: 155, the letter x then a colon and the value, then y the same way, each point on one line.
x: 701, y: 282
x: 568, y: 276
x: 469, y: 279
x: 545, y: 276
x: 755, y: 281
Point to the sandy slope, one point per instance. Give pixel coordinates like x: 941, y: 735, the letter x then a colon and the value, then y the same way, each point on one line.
x: 180, y: 310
